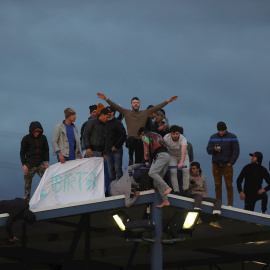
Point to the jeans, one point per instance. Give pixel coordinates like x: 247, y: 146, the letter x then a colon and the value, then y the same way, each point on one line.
x: 114, y: 162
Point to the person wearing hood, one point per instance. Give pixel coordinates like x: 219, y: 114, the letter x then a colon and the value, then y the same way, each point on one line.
x: 253, y: 174
x: 128, y: 184
x: 34, y: 154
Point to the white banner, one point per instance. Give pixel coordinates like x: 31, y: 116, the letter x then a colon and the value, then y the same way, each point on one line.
x: 73, y: 181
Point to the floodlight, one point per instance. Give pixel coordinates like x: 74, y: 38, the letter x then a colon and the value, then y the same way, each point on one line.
x: 190, y: 223
x: 136, y: 230
x: 120, y: 218
x: 183, y: 222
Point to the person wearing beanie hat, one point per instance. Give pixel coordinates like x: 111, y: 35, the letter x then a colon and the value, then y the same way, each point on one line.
x: 253, y: 175
x: 93, y: 109
x: 69, y: 112
x: 224, y: 148
x: 100, y: 107
x: 34, y: 154
x: 128, y: 184
x: 93, y: 114
x: 135, y: 119
x: 221, y: 126
x: 17, y: 208
x: 66, y: 141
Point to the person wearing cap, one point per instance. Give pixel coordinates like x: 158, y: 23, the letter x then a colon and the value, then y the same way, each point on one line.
x: 66, y: 141
x: 253, y: 175
x: 93, y: 114
x: 135, y: 119
x: 34, y: 154
x: 128, y: 184
x: 159, y: 125
x: 224, y: 148
x: 17, y: 208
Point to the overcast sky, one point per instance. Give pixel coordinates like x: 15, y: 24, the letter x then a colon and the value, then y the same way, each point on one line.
x: 213, y: 54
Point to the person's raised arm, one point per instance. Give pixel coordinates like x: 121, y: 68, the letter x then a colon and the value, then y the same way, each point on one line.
x: 171, y: 99
x: 102, y: 96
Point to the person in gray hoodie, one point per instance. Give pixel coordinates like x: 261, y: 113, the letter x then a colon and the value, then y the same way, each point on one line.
x: 128, y: 184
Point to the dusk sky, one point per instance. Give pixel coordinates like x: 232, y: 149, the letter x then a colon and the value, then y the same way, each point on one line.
x: 213, y: 54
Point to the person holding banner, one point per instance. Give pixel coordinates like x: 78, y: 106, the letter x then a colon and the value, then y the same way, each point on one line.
x: 66, y: 141
x: 177, y: 146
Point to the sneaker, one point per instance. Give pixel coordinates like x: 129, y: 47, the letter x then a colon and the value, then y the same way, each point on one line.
x: 215, y: 224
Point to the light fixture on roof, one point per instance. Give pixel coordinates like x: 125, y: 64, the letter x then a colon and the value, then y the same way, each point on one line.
x: 183, y: 222
x: 135, y: 230
x: 120, y: 218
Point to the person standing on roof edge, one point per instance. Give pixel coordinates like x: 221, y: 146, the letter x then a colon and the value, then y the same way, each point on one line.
x: 135, y: 119
x: 34, y: 155
x: 66, y: 141
x: 224, y: 148
x: 252, y: 175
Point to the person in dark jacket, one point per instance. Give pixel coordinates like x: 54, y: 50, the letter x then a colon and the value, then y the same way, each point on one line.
x: 95, y: 135
x: 116, y: 136
x: 224, y: 148
x: 159, y: 125
x: 17, y: 208
x: 93, y: 114
x: 254, y: 173
x: 34, y: 155
x: 95, y: 138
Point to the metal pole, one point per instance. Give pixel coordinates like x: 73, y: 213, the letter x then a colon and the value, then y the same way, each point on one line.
x: 156, y: 248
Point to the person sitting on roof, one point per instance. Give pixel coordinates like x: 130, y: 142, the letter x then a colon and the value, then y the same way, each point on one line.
x: 198, y: 191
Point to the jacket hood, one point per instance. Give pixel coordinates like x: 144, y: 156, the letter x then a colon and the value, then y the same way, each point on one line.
x: 259, y: 156
x: 35, y: 126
